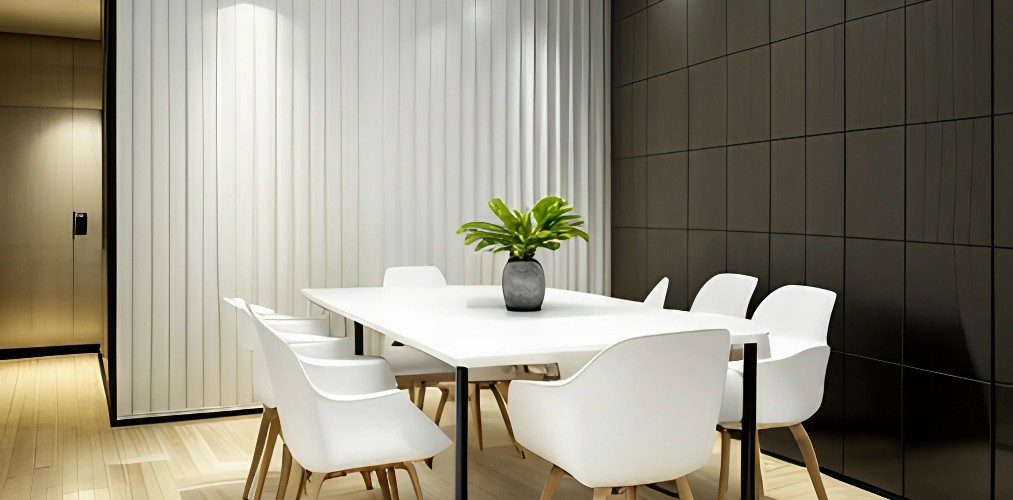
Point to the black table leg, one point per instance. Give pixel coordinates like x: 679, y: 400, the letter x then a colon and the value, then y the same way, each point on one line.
x: 461, y: 443
x: 749, y: 422
x: 358, y: 339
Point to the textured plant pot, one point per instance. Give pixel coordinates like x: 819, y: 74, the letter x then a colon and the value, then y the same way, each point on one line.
x: 523, y: 285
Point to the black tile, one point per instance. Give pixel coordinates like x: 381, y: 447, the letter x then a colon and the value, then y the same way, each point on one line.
x: 748, y: 24
x: 706, y: 30
x: 859, y: 8
x: 707, y: 104
x: 667, y: 36
x: 706, y: 258
x: 1004, y: 441
x: 667, y: 177
x: 948, y: 66
x: 623, y: 8
x: 667, y: 258
x: 749, y: 254
x: 949, y: 188
x: 633, y: 48
x: 946, y: 437
x: 787, y: 88
x: 875, y: 74
x: 1003, y: 47
x: 1003, y: 185
x: 707, y: 189
x: 787, y: 186
x: 948, y: 308
x: 787, y: 260
x: 824, y: 185
x: 629, y: 259
x: 824, y: 80
x: 873, y: 423
x: 824, y: 268
x: 874, y: 205
x: 749, y: 187
x: 631, y: 119
x: 821, y: 13
x: 749, y: 95
x: 787, y: 18
x: 629, y: 193
x: 667, y: 113
x: 1004, y: 316
x: 874, y: 298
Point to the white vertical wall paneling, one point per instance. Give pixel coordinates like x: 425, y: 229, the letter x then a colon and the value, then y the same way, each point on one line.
x: 270, y: 145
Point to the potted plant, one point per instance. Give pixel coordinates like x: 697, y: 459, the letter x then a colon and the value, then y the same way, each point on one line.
x: 545, y: 225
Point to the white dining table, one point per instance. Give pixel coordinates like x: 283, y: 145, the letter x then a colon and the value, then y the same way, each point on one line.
x: 468, y: 326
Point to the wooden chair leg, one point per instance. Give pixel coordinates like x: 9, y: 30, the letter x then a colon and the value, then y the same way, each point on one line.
x: 381, y: 477
x: 313, y: 483
x: 420, y: 397
x: 501, y: 401
x: 392, y: 479
x: 809, y: 455
x: 474, y: 392
x: 631, y: 493
x: 726, y: 450
x: 286, y: 469
x: 410, y: 467
x: 504, y: 389
x: 759, y: 468
x: 551, y: 483
x: 367, y: 479
x: 269, y: 442
x: 296, y: 482
x: 411, y: 392
x: 444, y: 396
x: 602, y: 493
x: 682, y: 484
x: 258, y: 450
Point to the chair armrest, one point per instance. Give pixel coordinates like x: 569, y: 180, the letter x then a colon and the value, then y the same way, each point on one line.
x: 788, y: 389
x: 349, y: 377
x: 322, y: 347
x: 311, y: 326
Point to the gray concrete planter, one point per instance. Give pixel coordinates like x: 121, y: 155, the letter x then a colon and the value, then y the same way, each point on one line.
x: 523, y: 285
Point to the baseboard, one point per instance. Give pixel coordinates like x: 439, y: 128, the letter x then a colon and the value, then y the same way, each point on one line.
x: 183, y: 417
x: 55, y: 350
x: 840, y: 477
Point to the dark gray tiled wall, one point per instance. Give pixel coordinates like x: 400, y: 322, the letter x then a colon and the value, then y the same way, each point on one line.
x: 863, y: 146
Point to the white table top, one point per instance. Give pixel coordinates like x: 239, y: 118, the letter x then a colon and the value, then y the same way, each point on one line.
x: 469, y: 326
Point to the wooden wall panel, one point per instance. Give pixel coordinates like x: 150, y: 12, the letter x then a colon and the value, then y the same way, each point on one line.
x: 272, y: 145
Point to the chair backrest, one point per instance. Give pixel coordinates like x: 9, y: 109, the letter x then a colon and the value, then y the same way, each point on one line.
x: 246, y: 335
x: 798, y: 318
x: 657, y: 296
x: 653, y: 421
x: 413, y: 276
x: 726, y: 294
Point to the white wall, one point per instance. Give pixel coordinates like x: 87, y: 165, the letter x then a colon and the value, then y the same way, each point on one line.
x: 273, y: 145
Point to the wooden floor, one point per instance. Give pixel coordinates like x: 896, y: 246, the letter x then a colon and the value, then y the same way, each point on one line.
x: 56, y: 443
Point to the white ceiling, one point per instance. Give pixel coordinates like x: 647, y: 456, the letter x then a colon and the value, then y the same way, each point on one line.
x: 69, y: 18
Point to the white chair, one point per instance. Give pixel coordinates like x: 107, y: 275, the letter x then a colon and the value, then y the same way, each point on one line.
x: 657, y: 296
x: 362, y: 423
x: 789, y: 385
x: 726, y: 294
x: 310, y: 337
x: 611, y: 427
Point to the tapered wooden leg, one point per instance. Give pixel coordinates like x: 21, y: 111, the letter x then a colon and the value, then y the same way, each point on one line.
x: 602, y: 493
x: 504, y: 389
x: 411, y: 392
x: 474, y: 392
x: 444, y: 396
x: 759, y: 468
x: 367, y: 479
x: 272, y: 437
x: 501, y: 401
x: 410, y: 467
x: 258, y: 451
x: 631, y: 493
x: 682, y: 484
x: 296, y: 482
x: 286, y: 469
x: 809, y: 455
x: 392, y: 479
x: 381, y: 477
x: 551, y: 483
x: 313, y: 483
x: 420, y: 397
x: 726, y: 450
